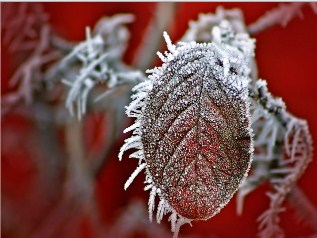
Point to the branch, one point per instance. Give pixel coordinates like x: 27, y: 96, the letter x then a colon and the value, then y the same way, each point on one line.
x: 305, y: 209
x: 280, y: 15
x: 27, y: 74
x: 287, y: 164
x: 24, y: 19
x: 152, y: 38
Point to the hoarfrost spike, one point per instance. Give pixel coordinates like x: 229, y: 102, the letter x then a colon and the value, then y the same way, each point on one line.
x: 133, y: 175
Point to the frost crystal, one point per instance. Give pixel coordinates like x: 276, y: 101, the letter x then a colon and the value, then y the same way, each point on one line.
x: 94, y: 68
x: 192, y: 129
x: 202, y: 30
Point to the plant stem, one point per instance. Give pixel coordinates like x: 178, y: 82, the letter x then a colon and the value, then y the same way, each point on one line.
x: 152, y: 39
x: 280, y: 15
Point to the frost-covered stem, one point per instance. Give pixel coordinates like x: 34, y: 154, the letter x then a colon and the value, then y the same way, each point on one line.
x: 263, y: 99
x: 269, y: 220
x: 152, y: 39
x: 298, y: 151
x: 280, y: 15
x: 304, y: 207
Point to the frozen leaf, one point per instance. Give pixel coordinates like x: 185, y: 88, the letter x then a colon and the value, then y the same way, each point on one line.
x: 193, y: 130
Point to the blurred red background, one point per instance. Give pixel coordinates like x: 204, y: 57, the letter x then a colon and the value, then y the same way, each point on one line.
x: 286, y: 59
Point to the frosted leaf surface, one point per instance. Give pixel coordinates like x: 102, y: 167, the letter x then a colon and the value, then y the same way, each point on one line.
x: 192, y: 129
x: 196, y: 130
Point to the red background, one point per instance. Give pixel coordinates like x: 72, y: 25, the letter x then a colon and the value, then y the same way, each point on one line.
x: 287, y: 60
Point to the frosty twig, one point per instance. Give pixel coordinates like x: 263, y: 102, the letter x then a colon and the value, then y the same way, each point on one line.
x: 279, y: 16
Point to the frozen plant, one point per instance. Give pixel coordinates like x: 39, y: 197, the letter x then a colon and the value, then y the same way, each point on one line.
x: 99, y: 56
x: 206, y: 126
x: 283, y: 150
x: 189, y: 160
x: 82, y: 66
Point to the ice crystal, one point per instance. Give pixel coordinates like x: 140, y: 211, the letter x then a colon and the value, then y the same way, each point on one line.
x: 202, y: 29
x: 94, y: 69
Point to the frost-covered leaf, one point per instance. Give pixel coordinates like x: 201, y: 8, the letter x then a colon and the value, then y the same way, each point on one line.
x: 192, y: 130
x: 195, y: 131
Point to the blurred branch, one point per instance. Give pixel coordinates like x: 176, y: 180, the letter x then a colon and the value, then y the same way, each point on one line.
x: 280, y: 15
x: 151, y: 41
x: 115, y: 120
x: 304, y: 208
x: 78, y: 195
x: 53, y: 166
x: 81, y: 183
x: 74, y: 190
x: 24, y: 19
x: 99, y: 163
x: 27, y: 75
